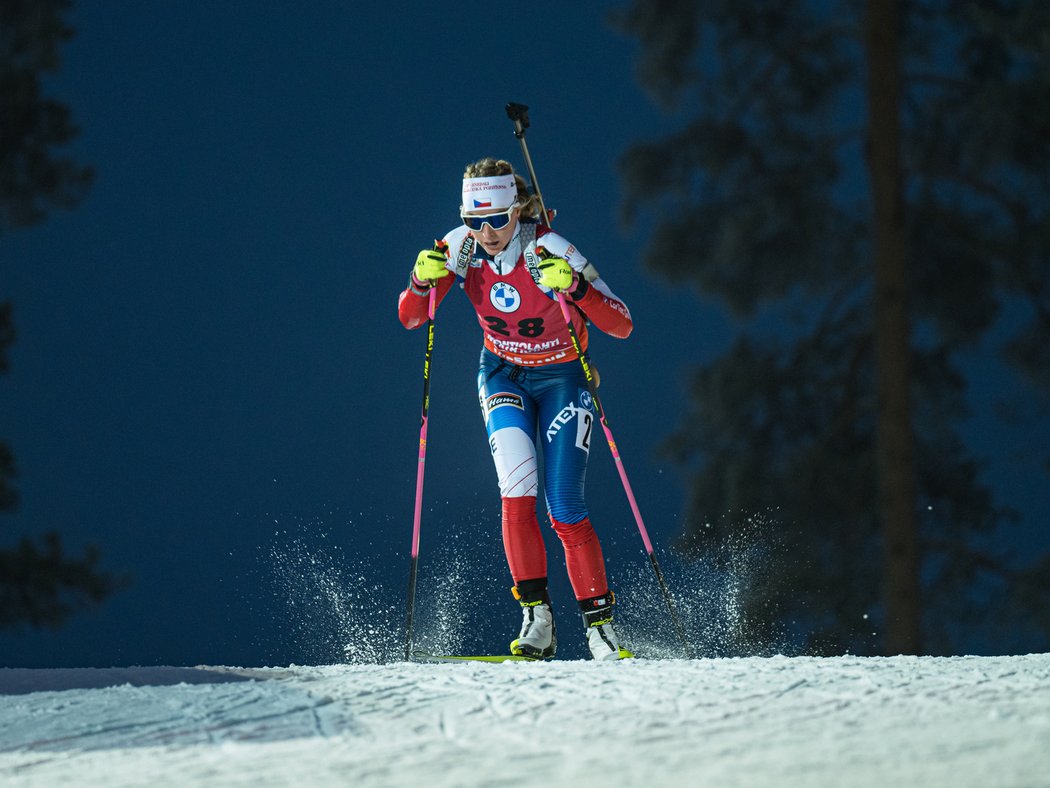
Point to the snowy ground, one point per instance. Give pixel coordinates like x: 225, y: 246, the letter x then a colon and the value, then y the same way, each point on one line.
x: 968, y: 721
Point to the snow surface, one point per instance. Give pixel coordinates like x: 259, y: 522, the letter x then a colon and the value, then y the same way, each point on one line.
x: 845, y: 721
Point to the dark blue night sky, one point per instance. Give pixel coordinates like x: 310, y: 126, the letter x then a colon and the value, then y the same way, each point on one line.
x: 209, y: 367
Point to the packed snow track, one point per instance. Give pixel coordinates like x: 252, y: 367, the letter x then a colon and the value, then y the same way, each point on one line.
x: 965, y: 721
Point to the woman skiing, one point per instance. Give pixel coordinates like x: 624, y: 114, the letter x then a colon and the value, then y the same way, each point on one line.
x: 531, y: 385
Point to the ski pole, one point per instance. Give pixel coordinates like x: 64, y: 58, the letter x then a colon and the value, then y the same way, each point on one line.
x: 417, y: 518
x: 519, y: 114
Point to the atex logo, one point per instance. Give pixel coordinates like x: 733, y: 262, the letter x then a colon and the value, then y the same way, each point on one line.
x: 583, y: 425
x: 505, y: 297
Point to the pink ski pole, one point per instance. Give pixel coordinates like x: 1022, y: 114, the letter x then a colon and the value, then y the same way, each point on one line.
x: 418, y: 515
x: 519, y: 114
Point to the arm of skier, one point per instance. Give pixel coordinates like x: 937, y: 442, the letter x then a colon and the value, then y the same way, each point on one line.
x: 602, y: 307
x: 413, y: 305
x: 565, y: 269
x: 584, y: 288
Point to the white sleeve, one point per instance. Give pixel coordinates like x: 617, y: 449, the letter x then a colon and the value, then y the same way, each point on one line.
x: 456, y: 239
x: 561, y: 247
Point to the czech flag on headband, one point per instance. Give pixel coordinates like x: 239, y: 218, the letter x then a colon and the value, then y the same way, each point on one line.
x: 497, y: 192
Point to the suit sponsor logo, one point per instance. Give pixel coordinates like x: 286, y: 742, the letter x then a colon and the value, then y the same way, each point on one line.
x: 583, y: 419
x: 502, y: 399
x: 505, y: 297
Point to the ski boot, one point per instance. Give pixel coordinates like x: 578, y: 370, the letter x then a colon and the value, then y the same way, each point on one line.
x: 601, y: 637
x: 538, y: 637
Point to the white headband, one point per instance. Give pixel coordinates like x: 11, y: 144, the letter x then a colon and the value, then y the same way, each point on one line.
x: 493, y: 191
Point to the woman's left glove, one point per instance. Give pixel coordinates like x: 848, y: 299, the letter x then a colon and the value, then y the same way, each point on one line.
x: 557, y: 274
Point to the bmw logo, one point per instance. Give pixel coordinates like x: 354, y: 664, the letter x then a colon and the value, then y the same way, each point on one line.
x: 504, y: 297
x: 587, y: 400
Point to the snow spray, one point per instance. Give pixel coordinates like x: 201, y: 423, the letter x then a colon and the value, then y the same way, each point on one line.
x: 711, y: 591
x: 337, y: 607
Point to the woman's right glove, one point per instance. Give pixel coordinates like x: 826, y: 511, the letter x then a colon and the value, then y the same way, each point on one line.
x: 430, y: 266
x: 557, y: 274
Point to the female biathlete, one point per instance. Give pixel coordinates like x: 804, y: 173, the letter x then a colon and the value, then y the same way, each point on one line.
x: 531, y: 386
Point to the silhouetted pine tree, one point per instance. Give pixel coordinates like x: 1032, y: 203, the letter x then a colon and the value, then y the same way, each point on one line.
x: 865, y: 185
x: 39, y: 584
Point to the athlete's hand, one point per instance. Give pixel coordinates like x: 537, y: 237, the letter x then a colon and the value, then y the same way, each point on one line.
x: 430, y: 266
x: 557, y: 274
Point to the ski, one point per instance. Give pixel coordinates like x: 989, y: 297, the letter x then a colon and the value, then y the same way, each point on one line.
x: 425, y: 656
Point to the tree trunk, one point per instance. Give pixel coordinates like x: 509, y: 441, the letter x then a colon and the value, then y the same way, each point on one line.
x: 894, y: 450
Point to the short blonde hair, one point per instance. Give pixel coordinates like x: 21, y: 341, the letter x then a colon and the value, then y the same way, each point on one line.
x: 529, y: 205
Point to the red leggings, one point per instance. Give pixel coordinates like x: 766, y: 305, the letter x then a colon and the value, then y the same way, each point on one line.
x: 527, y: 556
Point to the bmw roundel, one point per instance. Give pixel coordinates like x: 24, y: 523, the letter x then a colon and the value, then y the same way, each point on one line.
x: 504, y: 297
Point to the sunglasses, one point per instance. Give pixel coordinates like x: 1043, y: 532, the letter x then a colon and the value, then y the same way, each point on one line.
x: 497, y: 221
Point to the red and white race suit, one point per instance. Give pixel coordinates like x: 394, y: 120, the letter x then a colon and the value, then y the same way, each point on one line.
x: 532, y: 389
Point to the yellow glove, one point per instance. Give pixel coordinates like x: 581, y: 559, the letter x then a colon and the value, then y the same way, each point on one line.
x: 556, y: 273
x: 430, y: 265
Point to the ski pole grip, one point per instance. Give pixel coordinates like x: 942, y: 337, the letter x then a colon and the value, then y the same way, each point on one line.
x: 519, y: 113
